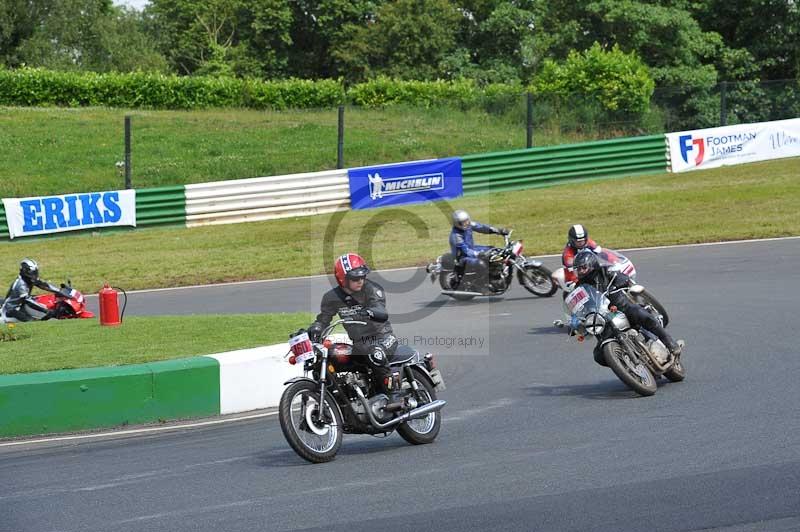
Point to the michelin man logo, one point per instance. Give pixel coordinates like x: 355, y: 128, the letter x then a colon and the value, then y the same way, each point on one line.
x: 375, y: 186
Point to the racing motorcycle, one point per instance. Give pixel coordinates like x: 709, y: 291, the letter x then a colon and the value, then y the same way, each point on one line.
x: 68, y: 303
x: 337, y: 396
x: 617, y: 263
x: 636, y: 356
x: 502, y: 263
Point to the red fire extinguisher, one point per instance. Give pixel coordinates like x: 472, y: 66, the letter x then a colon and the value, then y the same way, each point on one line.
x: 109, y: 306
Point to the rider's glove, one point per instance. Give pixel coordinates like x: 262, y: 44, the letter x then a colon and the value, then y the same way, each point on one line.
x: 314, y: 332
x: 504, y: 231
x: 365, y: 313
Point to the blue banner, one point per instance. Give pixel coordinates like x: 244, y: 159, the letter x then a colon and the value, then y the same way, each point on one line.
x: 398, y: 184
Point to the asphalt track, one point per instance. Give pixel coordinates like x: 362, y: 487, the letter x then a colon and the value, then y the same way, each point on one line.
x: 535, y: 435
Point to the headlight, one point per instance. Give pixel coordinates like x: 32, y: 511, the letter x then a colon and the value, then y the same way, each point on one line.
x: 594, y: 324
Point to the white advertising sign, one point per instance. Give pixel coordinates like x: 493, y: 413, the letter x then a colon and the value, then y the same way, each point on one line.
x: 742, y: 143
x: 70, y: 212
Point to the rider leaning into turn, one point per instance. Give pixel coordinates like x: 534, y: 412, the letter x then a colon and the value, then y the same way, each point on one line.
x: 19, y: 300
x: 358, y: 298
x: 590, y: 272
x: 577, y: 239
x: 462, y: 246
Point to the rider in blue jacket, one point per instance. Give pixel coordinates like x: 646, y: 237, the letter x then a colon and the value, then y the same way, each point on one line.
x: 465, y: 253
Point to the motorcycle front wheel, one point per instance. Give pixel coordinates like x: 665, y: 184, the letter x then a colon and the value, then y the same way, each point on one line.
x: 314, y: 432
x: 422, y: 430
x: 629, y: 369
x: 538, y: 280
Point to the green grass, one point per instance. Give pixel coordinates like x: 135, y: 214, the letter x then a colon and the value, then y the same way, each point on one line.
x: 51, y: 151
x: 738, y: 202
x: 53, y: 345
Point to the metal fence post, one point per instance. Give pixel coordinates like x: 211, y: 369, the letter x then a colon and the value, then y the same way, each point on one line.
x: 128, y: 152
x: 340, y: 144
x: 723, y: 103
x: 529, y: 142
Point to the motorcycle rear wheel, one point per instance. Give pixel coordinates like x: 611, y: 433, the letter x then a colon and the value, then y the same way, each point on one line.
x: 423, y: 430
x: 538, y: 280
x: 312, y: 438
x: 677, y: 372
x: 446, y: 279
x: 646, y: 298
x: 640, y: 380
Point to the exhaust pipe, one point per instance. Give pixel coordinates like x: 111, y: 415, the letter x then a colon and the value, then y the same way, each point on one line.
x: 460, y: 293
x: 417, y: 413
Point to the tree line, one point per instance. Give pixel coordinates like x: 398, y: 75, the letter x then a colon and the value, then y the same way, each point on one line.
x: 550, y: 45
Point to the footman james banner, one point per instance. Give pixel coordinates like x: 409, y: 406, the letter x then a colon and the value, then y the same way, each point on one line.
x: 742, y: 143
x: 69, y: 212
x: 396, y: 184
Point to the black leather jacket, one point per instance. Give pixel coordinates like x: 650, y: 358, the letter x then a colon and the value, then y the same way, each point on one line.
x: 371, y: 298
x: 601, y: 278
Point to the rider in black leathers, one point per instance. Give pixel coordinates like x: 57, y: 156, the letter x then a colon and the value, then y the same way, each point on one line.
x: 590, y: 272
x: 358, y: 298
x: 19, y: 298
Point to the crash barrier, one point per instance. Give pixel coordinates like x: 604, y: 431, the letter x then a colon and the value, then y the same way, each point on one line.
x: 738, y: 144
x: 81, y: 399
x: 160, y: 206
x: 3, y: 223
x: 550, y: 165
x: 266, y: 198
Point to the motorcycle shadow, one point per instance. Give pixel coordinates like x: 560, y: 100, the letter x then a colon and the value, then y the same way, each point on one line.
x: 610, y: 389
x: 548, y: 330
x: 286, y: 457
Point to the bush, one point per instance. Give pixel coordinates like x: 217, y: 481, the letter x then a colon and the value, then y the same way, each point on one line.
x: 620, y: 82
x: 40, y: 87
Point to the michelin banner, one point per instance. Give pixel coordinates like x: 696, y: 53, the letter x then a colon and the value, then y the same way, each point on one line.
x: 397, y: 184
x: 743, y: 143
x: 70, y: 212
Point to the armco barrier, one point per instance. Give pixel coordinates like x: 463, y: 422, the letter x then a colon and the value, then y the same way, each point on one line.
x: 549, y: 165
x: 266, y: 198
x: 160, y: 206
x: 69, y: 400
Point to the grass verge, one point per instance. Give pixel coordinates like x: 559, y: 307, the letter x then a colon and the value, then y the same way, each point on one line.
x: 739, y: 202
x: 57, y: 151
x: 66, y: 344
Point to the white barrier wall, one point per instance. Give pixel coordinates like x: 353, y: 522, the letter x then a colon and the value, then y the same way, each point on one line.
x: 250, y: 379
x: 742, y: 143
x: 267, y: 198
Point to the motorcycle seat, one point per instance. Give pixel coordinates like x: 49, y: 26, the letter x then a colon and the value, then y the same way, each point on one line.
x: 403, y: 354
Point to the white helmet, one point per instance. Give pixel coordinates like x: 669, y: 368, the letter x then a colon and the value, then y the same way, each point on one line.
x: 460, y: 219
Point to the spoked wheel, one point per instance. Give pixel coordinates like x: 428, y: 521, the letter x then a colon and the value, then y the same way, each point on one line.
x: 677, y: 372
x: 629, y: 370
x: 314, y: 432
x: 538, y: 280
x: 647, y: 299
x: 422, y: 430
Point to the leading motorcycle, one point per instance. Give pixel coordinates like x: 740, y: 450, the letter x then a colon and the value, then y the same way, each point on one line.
x: 616, y: 262
x: 337, y: 395
x: 502, y: 263
x: 636, y: 356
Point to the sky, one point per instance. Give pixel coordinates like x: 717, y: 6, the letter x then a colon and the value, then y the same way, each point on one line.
x: 138, y: 4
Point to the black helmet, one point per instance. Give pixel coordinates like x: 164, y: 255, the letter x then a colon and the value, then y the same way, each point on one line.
x: 585, y: 263
x: 578, y: 236
x: 29, y: 270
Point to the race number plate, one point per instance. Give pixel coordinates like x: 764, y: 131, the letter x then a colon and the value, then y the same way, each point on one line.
x: 301, y: 347
x: 576, y: 299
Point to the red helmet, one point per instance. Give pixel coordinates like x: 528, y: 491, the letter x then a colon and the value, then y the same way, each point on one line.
x: 351, y: 266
